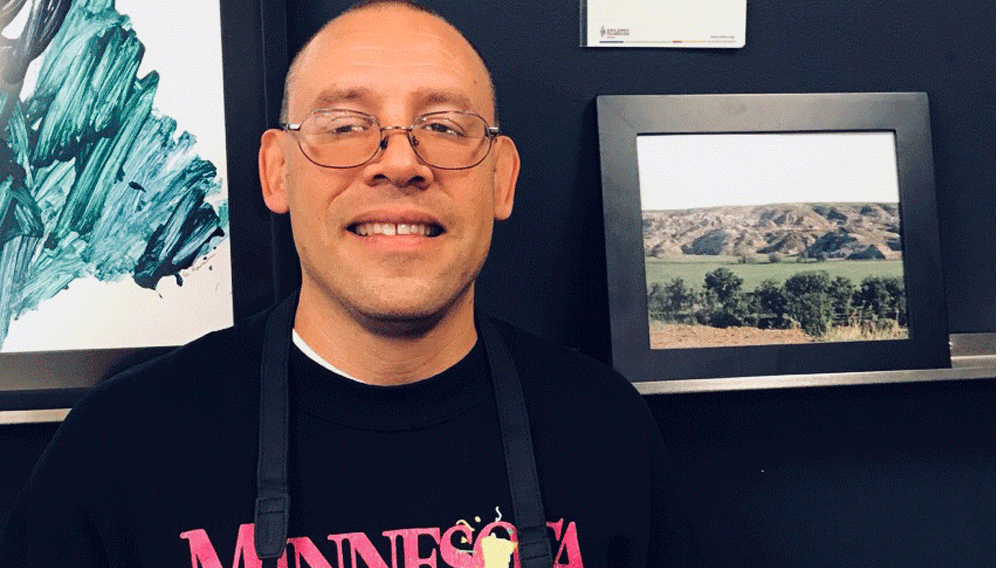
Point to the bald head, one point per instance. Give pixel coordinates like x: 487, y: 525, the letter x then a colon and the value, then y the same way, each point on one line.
x: 374, y: 11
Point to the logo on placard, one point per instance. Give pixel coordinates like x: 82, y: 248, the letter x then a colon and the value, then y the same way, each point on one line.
x: 614, y: 32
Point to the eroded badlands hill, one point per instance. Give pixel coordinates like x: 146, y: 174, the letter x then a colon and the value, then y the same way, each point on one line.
x: 814, y: 230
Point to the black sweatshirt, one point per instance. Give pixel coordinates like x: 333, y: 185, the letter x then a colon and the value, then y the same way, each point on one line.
x: 158, y: 467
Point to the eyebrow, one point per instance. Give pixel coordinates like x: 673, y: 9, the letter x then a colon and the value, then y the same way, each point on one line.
x: 423, y: 97
x: 442, y: 96
x: 329, y: 97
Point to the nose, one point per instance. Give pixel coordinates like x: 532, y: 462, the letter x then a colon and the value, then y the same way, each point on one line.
x: 397, y: 161
x: 388, y: 130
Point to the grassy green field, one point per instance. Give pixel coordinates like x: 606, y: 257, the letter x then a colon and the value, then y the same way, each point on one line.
x: 692, y: 269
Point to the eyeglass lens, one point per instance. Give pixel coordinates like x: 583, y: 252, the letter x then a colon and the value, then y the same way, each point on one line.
x: 448, y: 140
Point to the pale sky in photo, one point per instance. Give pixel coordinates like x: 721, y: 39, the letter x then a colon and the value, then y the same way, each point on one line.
x: 686, y: 171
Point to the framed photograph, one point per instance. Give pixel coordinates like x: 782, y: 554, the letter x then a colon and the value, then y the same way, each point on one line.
x: 130, y: 202
x: 771, y: 234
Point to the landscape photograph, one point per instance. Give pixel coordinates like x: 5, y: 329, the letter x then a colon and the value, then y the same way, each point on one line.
x: 752, y: 239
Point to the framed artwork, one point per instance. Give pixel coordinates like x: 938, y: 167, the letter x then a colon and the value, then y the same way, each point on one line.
x: 128, y: 191
x: 771, y: 234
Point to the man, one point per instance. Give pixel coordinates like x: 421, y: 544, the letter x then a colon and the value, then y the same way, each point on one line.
x: 393, y: 173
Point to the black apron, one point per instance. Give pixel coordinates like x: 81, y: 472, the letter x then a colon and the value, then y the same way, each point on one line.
x: 271, y: 516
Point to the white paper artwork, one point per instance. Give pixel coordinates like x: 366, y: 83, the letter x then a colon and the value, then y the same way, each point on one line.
x: 122, y: 214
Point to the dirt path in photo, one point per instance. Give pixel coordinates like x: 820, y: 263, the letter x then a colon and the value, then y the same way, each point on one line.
x: 669, y: 336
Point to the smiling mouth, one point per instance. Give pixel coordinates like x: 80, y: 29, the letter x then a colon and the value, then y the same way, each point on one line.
x: 394, y: 229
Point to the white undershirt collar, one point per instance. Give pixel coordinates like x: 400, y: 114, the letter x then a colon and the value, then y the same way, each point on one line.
x: 304, y: 347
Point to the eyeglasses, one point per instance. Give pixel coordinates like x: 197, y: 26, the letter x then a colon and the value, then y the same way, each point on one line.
x: 449, y: 140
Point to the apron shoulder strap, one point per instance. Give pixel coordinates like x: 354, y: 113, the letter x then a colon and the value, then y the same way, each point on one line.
x: 522, y: 475
x: 271, y: 514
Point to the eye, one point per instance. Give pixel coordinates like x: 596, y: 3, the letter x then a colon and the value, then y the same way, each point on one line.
x: 443, y: 126
x: 338, y: 125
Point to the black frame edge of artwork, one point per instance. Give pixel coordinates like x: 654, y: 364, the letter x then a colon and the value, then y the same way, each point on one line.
x: 621, y: 118
x: 254, y: 59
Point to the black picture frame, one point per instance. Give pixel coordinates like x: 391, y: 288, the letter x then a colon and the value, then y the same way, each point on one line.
x: 254, y: 53
x: 622, y: 118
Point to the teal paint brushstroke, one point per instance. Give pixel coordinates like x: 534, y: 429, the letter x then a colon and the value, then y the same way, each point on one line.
x: 99, y: 164
x: 20, y: 232
x: 85, y: 77
x: 177, y: 242
x: 43, y: 21
x: 93, y: 180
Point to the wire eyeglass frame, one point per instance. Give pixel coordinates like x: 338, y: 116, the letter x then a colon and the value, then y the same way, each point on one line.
x: 490, y: 133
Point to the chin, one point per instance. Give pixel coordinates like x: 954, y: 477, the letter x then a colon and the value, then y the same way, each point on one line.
x: 410, y: 315
x: 401, y: 322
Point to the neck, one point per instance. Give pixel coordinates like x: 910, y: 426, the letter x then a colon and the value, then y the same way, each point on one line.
x: 383, y: 354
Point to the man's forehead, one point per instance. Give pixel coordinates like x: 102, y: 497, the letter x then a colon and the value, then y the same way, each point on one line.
x: 454, y: 98
x: 367, y: 42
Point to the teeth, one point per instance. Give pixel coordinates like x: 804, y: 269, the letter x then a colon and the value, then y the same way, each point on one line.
x: 392, y: 229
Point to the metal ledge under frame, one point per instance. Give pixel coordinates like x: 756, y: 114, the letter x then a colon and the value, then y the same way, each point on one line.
x: 973, y: 356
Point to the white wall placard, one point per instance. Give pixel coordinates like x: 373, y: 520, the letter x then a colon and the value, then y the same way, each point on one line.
x: 663, y: 23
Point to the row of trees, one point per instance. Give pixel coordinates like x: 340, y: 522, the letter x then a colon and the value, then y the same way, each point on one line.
x: 811, y: 300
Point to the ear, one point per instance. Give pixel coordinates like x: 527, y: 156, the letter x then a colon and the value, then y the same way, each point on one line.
x: 271, y: 163
x: 505, y: 170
